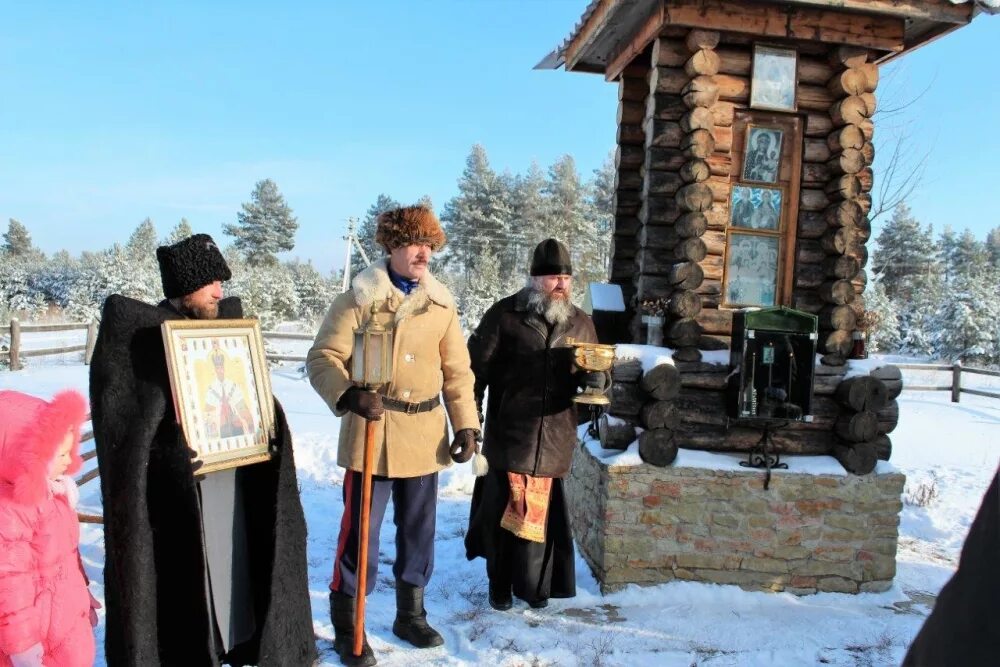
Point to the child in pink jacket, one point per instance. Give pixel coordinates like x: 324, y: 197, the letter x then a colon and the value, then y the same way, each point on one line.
x: 46, y: 616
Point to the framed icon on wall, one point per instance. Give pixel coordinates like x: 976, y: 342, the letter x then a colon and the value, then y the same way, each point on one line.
x: 762, y: 154
x: 774, y: 79
x: 755, y: 208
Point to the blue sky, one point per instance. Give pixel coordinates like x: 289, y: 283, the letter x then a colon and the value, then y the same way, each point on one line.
x: 114, y: 112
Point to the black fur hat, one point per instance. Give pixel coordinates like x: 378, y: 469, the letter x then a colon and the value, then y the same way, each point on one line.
x: 190, y: 264
x: 551, y: 259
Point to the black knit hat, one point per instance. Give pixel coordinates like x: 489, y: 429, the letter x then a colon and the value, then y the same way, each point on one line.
x: 190, y: 264
x: 551, y: 259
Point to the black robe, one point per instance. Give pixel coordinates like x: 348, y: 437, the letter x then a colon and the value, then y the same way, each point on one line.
x: 964, y: 628
x: 154, y: 571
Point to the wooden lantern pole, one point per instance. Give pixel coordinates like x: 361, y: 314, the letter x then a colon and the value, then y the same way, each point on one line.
x: 366, y: 510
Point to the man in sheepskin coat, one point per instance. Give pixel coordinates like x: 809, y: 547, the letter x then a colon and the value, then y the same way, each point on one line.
x: 199, y: 570
x: 411, y: 446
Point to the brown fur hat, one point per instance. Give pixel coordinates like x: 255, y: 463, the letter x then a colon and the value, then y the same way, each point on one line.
x: 401, y: 227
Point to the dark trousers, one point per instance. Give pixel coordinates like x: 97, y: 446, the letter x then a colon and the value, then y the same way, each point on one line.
x: 414, y: 501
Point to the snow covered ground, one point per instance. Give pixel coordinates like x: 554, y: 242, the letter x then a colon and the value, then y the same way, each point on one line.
x: 949, y: 453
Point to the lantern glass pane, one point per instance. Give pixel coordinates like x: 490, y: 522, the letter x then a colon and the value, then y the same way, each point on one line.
x: 375, y: 359
x: 358, y: 358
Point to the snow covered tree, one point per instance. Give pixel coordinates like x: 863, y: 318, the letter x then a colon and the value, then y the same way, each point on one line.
x: 600, y: 214
x: 179, y: 233
x: 884, y: 336
x: 143, y: 281
x: 314, y: 292
x: 265, y: 226
x: 268, y: 292
x: 484, y: 287
x: 479, y: 214
x: 528, y: 216
x: 916, y: 316
x: 905, y: 256
x: 993, y: 247
x: 965, y: 324
x: 17, y: 240
x: 366, y: 232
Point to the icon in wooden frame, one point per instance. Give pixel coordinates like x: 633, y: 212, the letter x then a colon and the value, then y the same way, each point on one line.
x: 762, y: 154
x: 752, y: 270
x: 221, y: 390
x: 774, y: 79
x: 757, y: 208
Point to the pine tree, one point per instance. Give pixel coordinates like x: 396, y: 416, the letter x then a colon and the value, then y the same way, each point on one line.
x: 884, y: 336
x: 528, y: 216
x: 600, y: 213
x: 917, y: 325
x: 314, y: 292
x: 946, y: 245
x: 479, y: 214
x: 485, y: 286
x: 179, y: 233
x: 964, y: 325
x: 970, y: 257
x: 366, y: 232
x: 143, y: 280
x: 142, y: 243
x: 571, y: 220
x: 905, y: 255
x: 17, y: 240
x: 993, y: 247
x: 265, y: 227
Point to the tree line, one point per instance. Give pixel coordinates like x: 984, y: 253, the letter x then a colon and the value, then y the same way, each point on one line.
x: 492, y: 224
x: 935, y: 297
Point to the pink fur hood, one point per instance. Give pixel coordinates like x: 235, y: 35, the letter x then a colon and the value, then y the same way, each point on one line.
x: 31, y: 430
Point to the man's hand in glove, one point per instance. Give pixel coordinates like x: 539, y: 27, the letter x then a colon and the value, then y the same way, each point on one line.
x: 367, y: 404
x: 598, y: 380
x: 464, y: 445
x: 196, y: 464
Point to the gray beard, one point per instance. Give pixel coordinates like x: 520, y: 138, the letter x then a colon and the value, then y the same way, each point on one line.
x: 553, y: 311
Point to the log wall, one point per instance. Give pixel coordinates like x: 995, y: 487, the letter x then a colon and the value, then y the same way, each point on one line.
x: 684, y: 406
x: 678, y: 101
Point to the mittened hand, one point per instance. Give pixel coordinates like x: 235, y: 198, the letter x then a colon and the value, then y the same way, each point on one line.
x: 196, y: 465
x: 94, y: 606
x: 30, y: 657
x: 464, y: 445
x: 367, y: 404
x: 594, y: 380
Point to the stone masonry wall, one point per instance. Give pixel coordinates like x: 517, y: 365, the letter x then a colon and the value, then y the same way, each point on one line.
x: 806, y: 533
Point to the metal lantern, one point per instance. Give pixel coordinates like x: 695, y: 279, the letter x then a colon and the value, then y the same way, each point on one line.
x: 371, y: 360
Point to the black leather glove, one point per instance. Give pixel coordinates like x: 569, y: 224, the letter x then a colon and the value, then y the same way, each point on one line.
x: 598, y: 380
x: 464, y: 445
x: 196, y: 465
x: 367, y: 404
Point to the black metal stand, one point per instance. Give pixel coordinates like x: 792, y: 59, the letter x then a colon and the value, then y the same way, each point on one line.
x: 595, y: 414
x: 761, y: 455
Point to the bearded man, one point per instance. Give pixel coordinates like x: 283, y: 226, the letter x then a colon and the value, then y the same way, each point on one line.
x: 519, y: 521
x: 200, y: 569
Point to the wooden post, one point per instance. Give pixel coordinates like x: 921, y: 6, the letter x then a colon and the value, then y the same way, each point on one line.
x: 361, y: 592
x: 956, y: 381
x: 15, y: 345
x: 91, y: 341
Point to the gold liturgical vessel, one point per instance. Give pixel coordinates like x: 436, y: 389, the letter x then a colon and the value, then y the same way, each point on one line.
x: 592, y: 357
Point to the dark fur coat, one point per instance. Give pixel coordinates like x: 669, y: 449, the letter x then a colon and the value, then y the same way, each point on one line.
x: 154, y: 573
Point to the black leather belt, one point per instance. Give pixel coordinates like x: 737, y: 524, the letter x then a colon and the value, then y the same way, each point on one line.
x: 411, y: 408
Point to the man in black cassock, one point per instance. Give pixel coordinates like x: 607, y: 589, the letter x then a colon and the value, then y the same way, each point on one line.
x: 199, y: 569
x: 518, y: 520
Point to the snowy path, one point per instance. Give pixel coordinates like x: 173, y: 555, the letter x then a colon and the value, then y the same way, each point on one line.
x: 954, y: 448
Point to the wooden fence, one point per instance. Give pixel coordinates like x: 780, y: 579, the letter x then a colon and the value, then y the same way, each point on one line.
x: 956, y: 388
x: 17, y: 351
